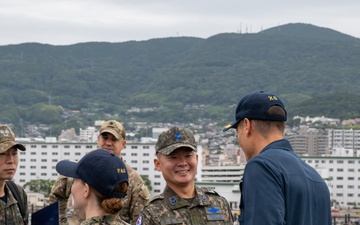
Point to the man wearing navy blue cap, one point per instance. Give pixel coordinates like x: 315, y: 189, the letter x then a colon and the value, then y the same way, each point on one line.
x: 277, y: 186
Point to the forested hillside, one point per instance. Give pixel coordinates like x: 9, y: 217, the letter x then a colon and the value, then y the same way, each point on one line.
x: 315, y: 70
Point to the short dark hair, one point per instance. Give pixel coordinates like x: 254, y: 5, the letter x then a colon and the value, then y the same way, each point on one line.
x: 263, y: 126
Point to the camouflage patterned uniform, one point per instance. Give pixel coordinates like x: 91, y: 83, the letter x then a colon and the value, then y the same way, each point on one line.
x: 207, y: 207
x: 9, y: 211
x: 136, y: 198
x: 104, y: 220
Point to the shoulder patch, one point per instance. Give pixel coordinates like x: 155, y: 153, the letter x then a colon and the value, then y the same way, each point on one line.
x: 139, y: 220
x: 209, y: 191
x: 157, y: 197
x: 144, y: 193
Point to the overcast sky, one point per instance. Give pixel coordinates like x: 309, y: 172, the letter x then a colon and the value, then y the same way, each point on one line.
x: 64, y: 22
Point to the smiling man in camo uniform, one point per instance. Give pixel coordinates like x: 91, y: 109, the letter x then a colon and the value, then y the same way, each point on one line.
x: 182, y: 202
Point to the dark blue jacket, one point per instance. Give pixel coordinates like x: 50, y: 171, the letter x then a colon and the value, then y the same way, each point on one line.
x: 278, y: 188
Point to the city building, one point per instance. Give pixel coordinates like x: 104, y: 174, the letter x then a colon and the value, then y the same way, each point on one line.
x: 222, y: 174
x: 342, y: 175
x: 344, y: 138
x: 40, y: 158
x: 341, y: 170
x: 310, y: 141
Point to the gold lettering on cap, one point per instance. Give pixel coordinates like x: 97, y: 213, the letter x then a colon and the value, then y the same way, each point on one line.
x: 121, y: 170
x: 272, y: 97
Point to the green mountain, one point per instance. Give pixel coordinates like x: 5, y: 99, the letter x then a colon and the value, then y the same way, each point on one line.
x: 182, y: 79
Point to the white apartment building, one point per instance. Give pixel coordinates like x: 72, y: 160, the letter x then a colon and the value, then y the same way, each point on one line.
x: 348, y: 139
x: 40, y: 158
x: 342, y: 175
x: 222, y: 174
x: 88, y: 135
x: 141, y: 157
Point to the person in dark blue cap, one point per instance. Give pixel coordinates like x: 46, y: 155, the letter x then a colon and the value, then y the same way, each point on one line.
x: 277, y: 186
x: 100, y: 181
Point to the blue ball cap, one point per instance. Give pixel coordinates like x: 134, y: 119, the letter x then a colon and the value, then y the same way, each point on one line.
x: 100, y: 169
x: 255, y: 106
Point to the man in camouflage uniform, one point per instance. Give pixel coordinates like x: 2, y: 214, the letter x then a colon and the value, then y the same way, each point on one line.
x: 182, y: 202
x: 111, y: 138
x: 9, y: 209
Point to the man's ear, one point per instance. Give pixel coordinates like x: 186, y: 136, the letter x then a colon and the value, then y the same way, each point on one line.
x: 157, y: 164
x: 248, y: 126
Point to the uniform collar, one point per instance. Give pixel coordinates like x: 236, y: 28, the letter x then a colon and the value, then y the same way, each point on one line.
x: 279, y: 144
x: 175, y: 201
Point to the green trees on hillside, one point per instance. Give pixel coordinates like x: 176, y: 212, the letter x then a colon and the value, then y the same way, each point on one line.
x: 175, y: 75
x: 48, y: 114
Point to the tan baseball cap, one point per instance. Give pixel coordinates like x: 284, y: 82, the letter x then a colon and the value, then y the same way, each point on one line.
x: 7, y: 139
x: 113, y: 127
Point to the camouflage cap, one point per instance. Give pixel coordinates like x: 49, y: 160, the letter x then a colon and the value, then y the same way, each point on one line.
x: 173, y: 139
x: 113, y: 127
x: 7, y: 139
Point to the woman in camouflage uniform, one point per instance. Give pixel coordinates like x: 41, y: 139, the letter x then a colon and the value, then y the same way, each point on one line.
x: 100, y: 181
x: 112, y: 138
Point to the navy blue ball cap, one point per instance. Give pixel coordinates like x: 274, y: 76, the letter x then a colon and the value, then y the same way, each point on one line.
x: 255, y: 106
x: 100, y: 169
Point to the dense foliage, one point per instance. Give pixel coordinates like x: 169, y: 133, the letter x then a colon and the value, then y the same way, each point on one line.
x: 40, y: 186
x: 315, y: 70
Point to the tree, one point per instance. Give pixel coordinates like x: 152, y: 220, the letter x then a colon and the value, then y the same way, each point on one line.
x: 144, y: 132
x: 40, y: 186
x: 147, y: 181
x: 43, y: 113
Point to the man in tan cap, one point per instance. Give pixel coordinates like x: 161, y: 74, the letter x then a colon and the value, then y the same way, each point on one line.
x: 182, y: 202
x: 112, y: 138
x: 10, y: 211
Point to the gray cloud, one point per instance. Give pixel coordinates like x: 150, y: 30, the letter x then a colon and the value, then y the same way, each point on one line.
x: 62, y: 22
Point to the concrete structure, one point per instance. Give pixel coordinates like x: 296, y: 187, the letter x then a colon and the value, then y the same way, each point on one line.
x: 222, y: 174
x: 88, y: 135
x: 341, y: 172
x: 348, y: 139
x: 318, y: 142
x: 321, y: 119
x: 342, y: 175
x: 310, y: 141
x: 36, y: 201
x: 40, y: 159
